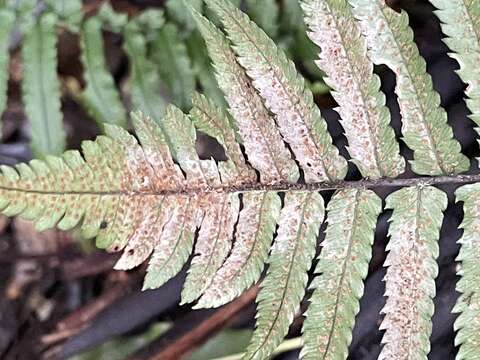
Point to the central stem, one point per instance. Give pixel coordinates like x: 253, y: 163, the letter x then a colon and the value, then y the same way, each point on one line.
x: 256, y: 186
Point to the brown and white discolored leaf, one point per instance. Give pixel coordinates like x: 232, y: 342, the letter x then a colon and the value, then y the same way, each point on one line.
x: 213, y: 244
x: 254, y: 234
x: 412, y: 269
x: 174, y: 245
x: 157, y: 152
x: 285, y: 94
x: 424, y: 123
x: 264, y: 146
x: 153, y: 199
x: 158, y: 212
x: 460, y: 22
x: 343, y: 57
x: 180, y: 134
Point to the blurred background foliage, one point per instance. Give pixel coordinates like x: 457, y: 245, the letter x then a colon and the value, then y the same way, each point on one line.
x: 161, y: 58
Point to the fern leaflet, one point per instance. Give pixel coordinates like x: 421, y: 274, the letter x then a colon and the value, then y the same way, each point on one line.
x: 100, y: 88
x: 144, y: 79
x: 467, y: 324
x: 352, y: 216
x: 273, y: 160
x: 460, y: 21
x: 170, y: 54
x: 40, y: 87
x: 289, y: 260
x: 424, y: 122
x: 372, y: 143
x: 412, y: 269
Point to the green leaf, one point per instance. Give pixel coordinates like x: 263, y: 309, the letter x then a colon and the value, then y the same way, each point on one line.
x: 291, y: 16
x: 111, y: 19
x: 149, y: 22
x: 412, y: 269
x: 342, y: 267
x: 69, y: 11
x: 170, y: 54
x: 7, y: 19
x: 40, y: 87
x: 203, y: 69
x: 178, y: 12
x: 100, y: 89
x: 144, y: 81
x: 284, y: 285
x: 266, y: 14
x: 467, y: 324
x: 424, y: 123
x: 213, y: 17
x: 24, y: 12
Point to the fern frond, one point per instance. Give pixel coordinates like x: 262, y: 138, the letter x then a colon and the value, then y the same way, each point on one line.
x: 286, y: 279
x: 285, y: 94
x: 40, y: 87
x: 460, y: 21
x: 424, y: 123
x: 170, y: 54
x: 152, y: 197
x: 100, y: 86
x: 343, y: 264
x: 7, y: 19
x: 144, y: 80
x: 412, y: 269
x: 263, y: 142
x: 365, y: 118
x: 467, y: 324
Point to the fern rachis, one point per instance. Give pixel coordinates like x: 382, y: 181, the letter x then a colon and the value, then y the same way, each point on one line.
x: 150, y: 197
